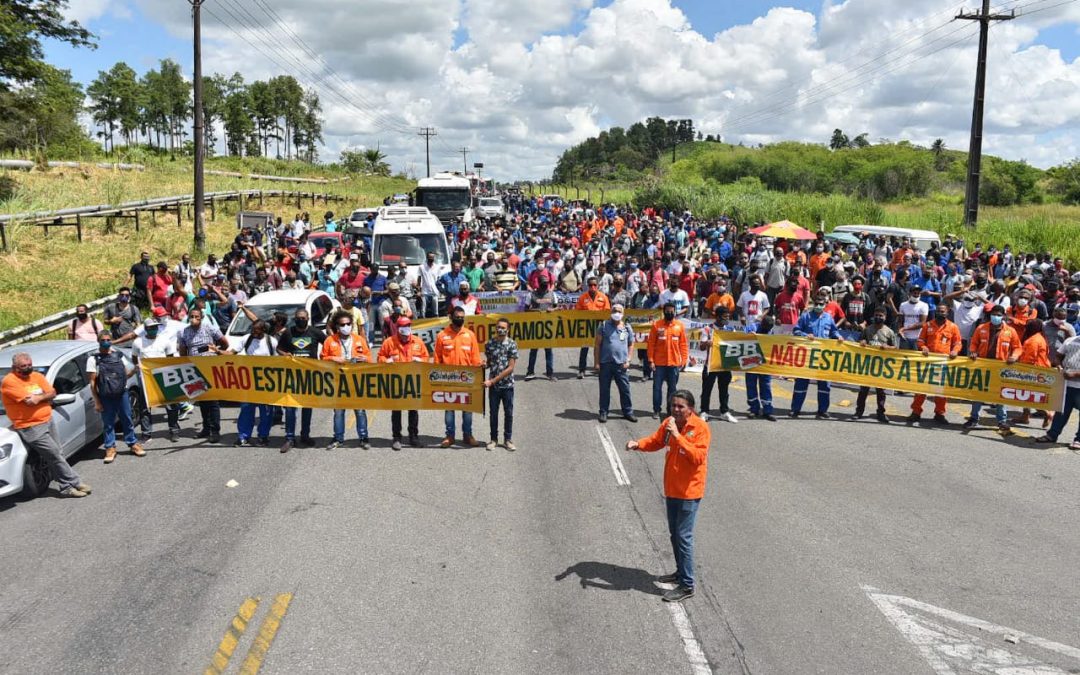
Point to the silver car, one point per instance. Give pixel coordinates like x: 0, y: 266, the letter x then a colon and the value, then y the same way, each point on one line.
x: 78, y: 424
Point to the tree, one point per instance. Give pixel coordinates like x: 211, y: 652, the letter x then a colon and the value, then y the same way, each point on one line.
x: 839, y: 140
x: 44, y: 116
x: 176, y: 100
x: 308, y: 133
x: 239, y: 127
x: 105, y: 108
x: 289, y: 96
x: 940, y: 159
x: 1065, y: 181
x: 23, y: 24
x: 860, y: 141
x: 213, y: 101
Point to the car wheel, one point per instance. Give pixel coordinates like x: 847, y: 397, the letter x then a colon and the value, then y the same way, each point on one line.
x: 36, y: 476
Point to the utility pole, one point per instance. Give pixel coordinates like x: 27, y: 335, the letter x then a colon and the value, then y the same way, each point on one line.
x: 974, y: 173
x: 199, y: 121
x: 427, y: 133
x: 465, y: 160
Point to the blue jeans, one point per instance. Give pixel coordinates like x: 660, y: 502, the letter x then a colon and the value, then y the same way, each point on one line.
x: 999, y: 413
x: 1072, y: 400
x: 290, y: 423
x: 112, y: 409
x: 172, y: 415
x: 759, y: 394
x: 245, y: 423
x: 549, y: 361
x: 615, y: 371
x: 505, y: 397
x: 662, y: 375
x: 466, y: 423
x: 361, y: 425
x: 681, y: 514
x: 802, y: 386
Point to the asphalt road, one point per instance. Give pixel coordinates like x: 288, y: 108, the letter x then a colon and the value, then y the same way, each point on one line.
x: 469, y: 561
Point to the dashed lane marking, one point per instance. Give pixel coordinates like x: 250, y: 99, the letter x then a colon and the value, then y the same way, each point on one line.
x: 617, y: 468
x: 235, y: 630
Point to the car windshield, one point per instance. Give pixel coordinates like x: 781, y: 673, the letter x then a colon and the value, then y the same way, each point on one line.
x: 242, y: 325
x: 444, y: 200
x: 6, y: 370
x: 411, y: 249
x: 322, y: 241
x: 491, y: 202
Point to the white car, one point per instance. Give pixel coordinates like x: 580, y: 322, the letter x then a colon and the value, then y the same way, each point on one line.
x: 264, y: 305
x: 359, y: 217
x: 491, y: 207
x: 78, y: 424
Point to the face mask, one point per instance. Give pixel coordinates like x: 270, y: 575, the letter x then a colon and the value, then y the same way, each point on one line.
x: 463, y: 293
x: 300, y: 324
x: 879, y: 320
x: 1058, y: 322
x: 940, y: 318
x: 997, y: 319
x: 458, y: 321
x: 913, y: 299
x: 345, y: 331
x: 501, y: 332
x: 616, y: 316
x: 104, y: 344
x: 669, y: 316
x: 405, y: 333
x: 124, y: 299
x: 818, y: 309
x: 151, y: 333
x: 1022, y: 302
x: 980, y: 283
x: 81, y: 315
x: 24, y: 370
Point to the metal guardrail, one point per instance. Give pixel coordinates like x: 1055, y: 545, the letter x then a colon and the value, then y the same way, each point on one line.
x: 283, y: 179
x: 48, y: 324
x: 27, y: 164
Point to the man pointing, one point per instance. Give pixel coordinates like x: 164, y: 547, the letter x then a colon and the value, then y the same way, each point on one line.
x: 686, y: 437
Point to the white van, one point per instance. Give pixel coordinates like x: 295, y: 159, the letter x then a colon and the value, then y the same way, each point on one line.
x: 920, y: 239
x: 407, y: 234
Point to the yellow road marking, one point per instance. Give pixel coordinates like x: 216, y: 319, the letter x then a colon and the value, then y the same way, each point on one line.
x: 267, y: 631
x: 232, y: 636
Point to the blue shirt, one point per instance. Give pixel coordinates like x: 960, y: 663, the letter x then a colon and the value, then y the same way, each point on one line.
x: 615, y: 342
x: 820, y: 326
x: 449, y: 283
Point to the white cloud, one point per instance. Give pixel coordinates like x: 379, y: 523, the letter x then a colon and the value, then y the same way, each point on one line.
x: 534, y: 76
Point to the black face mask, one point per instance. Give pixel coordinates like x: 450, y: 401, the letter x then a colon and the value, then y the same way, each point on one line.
x: 940, y: 319
x: 669, y: 316
x: 879, y: 320
x: 300, y: 324
x: 458, y: 321
x: 81, y: 315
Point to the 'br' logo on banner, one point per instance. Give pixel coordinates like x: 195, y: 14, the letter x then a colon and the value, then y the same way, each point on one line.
x: 741, y: 355
x: 182, y: 381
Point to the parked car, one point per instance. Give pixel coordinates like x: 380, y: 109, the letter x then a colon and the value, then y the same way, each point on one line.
x: 491, y: 207
x: 78, y: 424
x: 361, y: 216
x: 321, y: 240
x: 318, y: 304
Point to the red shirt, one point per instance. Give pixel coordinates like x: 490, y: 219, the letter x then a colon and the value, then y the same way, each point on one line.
x: 789, y: 306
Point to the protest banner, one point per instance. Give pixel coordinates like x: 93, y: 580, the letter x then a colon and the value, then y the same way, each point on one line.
x: 310, y: 383
x: 983, y: 380
x: 508, y: 302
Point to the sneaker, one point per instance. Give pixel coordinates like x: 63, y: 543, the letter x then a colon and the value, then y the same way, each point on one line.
x: 629, y: 417
x: 110, y: 455
x: 769, y: 417
x: 286, y: 446
x: 529, y: 377
x: 728, y: 417
x: 940, y: 419
x: 470, y: 441
x: 656, y: 415
x: 882, y: 417
x: 262, y: 442
x: 704, y: 415
x: 241, y: 443
x: 913, y: 418
x: 794, y: 414
x: 581, y: 374
x: 667, y: 578
x: 73, y: 492
x: 444, y: 443
x: 603, y: 418
x: 334, y: 445
x: 365, y: 444
x: 138, y: 451
x: 84, y: 487
x: 174, y: 435
x: 678, y: 594
x: 970, y: 423
x: 205, y: 433
x: 396, y: 445
x: 823, y: 416
x: 509, y: 445
x: 551, y: 377
x: 1005, y: 430
x: 491, y: 445
x: 859, y: 414
x: 414, y: 441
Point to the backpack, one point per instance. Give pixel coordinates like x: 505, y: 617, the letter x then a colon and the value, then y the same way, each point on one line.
x: 111, y: 375
x: 93, y: 322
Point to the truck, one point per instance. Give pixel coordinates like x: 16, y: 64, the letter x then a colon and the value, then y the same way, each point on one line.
x: 406, y: 234
x: 447, y: 196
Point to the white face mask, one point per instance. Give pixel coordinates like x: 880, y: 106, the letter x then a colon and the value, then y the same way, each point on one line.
x: 1022, y: 302
x: 345, y: 331
x: 405, y: 332
x: 616, y: 316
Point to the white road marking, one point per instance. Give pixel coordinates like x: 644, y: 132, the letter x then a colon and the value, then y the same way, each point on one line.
x: 950, y: 650
x: 699, y: 665
x: 621, y: 478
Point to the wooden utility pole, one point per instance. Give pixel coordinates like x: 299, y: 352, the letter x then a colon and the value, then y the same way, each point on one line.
x: 199, y: 121
x: 427, y: 133
x: 465, y: 160
x: 974, y: 172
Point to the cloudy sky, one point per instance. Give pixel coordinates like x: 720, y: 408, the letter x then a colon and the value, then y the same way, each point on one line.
x: 517, y: 81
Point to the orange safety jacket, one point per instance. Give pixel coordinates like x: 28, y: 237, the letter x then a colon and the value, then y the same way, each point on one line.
x: 457, y: 347
x: 687, y: 457
x: 943, y: 339
x: 1008, y: 343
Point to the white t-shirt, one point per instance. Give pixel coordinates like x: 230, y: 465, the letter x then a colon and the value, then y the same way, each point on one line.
x: 428, y: 279
x: 678, y: 296
x: 260, y: 347
x: 161, y: 346
x: 914, y: 314
x: 753, y: 305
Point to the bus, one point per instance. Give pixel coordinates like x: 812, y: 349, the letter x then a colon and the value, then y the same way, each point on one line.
x: 447, y: 196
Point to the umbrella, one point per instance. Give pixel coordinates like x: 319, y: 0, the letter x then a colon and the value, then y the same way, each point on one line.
x: 843, y: 238
x: 785, y: 229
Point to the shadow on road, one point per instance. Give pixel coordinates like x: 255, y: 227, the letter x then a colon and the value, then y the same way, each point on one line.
x: 577, y: 415
x: 612, y: 577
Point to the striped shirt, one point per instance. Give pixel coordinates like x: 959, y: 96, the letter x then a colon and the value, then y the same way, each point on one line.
x: 198, y: 340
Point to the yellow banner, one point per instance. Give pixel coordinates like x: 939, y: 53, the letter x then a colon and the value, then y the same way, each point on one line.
x: 983, y: 380
x: 536, y: 330
x: 310, y: 383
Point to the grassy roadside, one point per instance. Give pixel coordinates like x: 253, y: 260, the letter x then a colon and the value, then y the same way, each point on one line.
x: 40, y: 276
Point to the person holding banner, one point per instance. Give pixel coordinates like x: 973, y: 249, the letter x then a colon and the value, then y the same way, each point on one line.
x: 301, y: 340
x: 456, y: 345
x: 345, y: 346
x: 939, y: 336
x: 758, y: 386
x: 203, y: 339
x: 669, y: 352
x: 542, y: 300
x: 594, y: 301
x: 404, y: 347
x: 815, y: 323
x: 877, y: 334
x: 686, y: 438
x: 719, y: 378
x: 258, y: 343
x: 502, y: 355
x: 614, y: 339
x: 995, y: 339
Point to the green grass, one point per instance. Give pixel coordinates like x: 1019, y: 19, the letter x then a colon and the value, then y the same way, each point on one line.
x: 40, y: 276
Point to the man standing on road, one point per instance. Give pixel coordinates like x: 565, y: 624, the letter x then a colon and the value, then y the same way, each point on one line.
x: 301, y: 340
x: 456, y: 345
x: 686, y: 437
x: 594, y: 301
x: 429, y: 288
x: 404, y: 347
x: 258, y: 343
x: 614, y: 340
x: 542, y: 300
x: 108, y: 383
x: 345, y: 346
x: 121, y: 316
x: 27, y: 399
x: 156, y: 344
x: 939, y: 336
x: 880, y: 336
x: 138, y: 276
x: 816, y: 323
x: 669, y: 352
x: 202, y: 339
x: 502, y: 355
x: 994, y: 340
x: 720, y: 378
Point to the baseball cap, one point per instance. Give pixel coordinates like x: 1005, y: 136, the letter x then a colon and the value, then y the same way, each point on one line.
x: 160, y: 311
x: 393, y: 286
x: 404, y: 321
x: 150, y: 322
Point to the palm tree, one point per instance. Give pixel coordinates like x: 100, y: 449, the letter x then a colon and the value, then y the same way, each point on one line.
x: 938, y: 148
x: 374, y: 158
